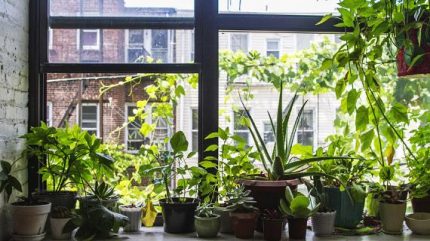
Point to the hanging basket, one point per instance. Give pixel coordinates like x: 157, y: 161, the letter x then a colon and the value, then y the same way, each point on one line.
x: 418, y: 69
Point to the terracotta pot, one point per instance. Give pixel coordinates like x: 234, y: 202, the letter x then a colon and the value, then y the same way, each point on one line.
x: 297, y: 227
x: 29, y: 220
x: 244, y: 224
x: 421, y: 205
x: 207, y: 227
x: 403, y: 69
x: 134, y: 215
x: 273, y: 229
x: 419, y: 223
x: 323, y: 223
x: 179, y: 216
x: 57, y: 226
x: 392, y: 216
x: 226, y: 220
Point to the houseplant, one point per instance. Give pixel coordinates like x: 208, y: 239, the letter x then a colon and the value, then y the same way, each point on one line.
x: 273, y: 225
x: 296, y: 207
x: 243, y: 212
x: 59, y: 217
x: 65, y: 155
x: 101, y: 193
x: 207, y: 223
x: 392, y: 210
x: 178, y: 209
x: 134, y: 214
x: 28, y: 216
x: 324, y: 219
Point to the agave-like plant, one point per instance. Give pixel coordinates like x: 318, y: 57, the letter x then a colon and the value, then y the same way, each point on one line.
x: 280, y: 165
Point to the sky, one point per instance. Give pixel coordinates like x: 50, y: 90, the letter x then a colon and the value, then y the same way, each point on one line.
x: 272, y: 6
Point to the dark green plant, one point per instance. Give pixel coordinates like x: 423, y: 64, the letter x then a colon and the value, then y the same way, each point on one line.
x: 316, y: 190
x: 238, y: 200
x: 97, y: 222
x: 8, y: 183
x: 102, y: 191
x: 297, y: 205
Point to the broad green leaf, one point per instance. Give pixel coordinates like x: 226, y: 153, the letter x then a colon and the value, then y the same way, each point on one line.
x: 361, y: 118
x: 179, y: 142
x: 352, y: 98
x: 366, y: 139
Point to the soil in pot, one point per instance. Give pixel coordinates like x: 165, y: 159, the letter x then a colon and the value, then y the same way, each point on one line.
x: 134, y: 215
x: 392, y: 216
x: 225, y: 219
x: 29, y: 220
x: 57, y: 226
x: 297, y: 228
x: 207, y: 227
x: 323, y: 223
x: 421, y: 205
x: 273, y: 229
x: 244, y: 224
x: 349, y: 213
x: 57, y: 199
x: 179, y: 216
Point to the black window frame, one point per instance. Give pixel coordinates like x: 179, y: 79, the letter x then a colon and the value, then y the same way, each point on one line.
x: 207, y: 23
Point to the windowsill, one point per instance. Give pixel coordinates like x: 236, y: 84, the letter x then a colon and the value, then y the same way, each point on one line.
x: 157, y: 233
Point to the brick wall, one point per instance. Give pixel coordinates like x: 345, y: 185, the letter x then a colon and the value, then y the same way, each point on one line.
x: 13, y: 91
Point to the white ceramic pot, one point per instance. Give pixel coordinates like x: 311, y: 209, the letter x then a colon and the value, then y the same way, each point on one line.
x: 323, y: 223
x: 392, y: 216
x: 57, y: 226
x: 419, y: 223
x: 134, y: 215
x: 29, y: 220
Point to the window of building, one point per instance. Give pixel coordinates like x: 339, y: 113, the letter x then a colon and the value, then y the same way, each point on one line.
x: 136, y: 48
x: 161, y: 131
x: 195, y: 130
x: 159, y: 46
x: 89, y: 39
x: 50, y: 38
x: 269, y: 136
x: 49, y: 113
x: 89, y: 118
x: 239, y: 125
x: 239, y: 42
x: 133, y: 137
x: 305, y: 132
x: 273, y: 47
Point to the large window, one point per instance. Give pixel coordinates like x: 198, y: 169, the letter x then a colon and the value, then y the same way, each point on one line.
x: 306, y: 130
x: 133, y: 137
x: 160, y: 45
x: 89, y: 118
x: 89, y: 39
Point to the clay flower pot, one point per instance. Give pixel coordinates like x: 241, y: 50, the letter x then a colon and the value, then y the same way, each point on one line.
x: 207, y: 227
x: 392, y: 216
x: 29, y: 220
x: 419, y: 223
x: 225, y: 219
x: 273, y: 229
x: 297, y: 227
x: 421, y: 205
x: 57, y: 225
x: 134, y: 215
x: 323, y: 223
x: 244, y: 224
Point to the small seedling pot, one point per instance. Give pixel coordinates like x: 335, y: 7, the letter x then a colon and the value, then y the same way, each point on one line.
x: 207, y: 227
x: 134, y: 215
x: 244, y: 224
x: 323, y: 223
x: 297, y: 227
x: 273, y: 228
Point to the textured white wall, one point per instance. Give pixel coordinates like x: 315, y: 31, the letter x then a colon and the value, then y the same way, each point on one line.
x: 13, y: 91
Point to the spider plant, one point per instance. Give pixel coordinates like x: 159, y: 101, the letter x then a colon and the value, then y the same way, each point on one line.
x: 281, y: 164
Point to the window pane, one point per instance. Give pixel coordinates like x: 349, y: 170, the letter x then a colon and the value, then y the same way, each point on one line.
x: 147, y: 8
x: 121, y: 46
x: 304, y: 7
x: 307, y: 121
x: 268, y: 133
x: 239, y: 42
x: 195, y: 129
x: 305, y: 138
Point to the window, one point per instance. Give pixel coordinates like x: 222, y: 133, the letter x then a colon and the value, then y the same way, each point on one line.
x: 273, y: 47
x: 89, y: 39
x: 133, y: 137
x: 49, y: 113
x: 50, y: 38
x: 269, y: 136
x: 136, y: 48
x: 161, y: 131
x: 239, y: 126
x: 305, y: 132
x: 195, y: 130
x: 89, y: 120
x: 239, y: 42
x: 159, y: 48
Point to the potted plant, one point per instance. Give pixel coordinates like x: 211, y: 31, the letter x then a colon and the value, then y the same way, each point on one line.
x: 59, y: 217
x: 207, y: 223
x: 101, y: 193
x: 134, y: 214
x: 392, y: 209
x: 178, y: 209
x: 243, y: 212
x: 324, y: 219
x: 95, y: 222
x: 65, y: 155
x: 296, y: 207
x: 282, y: 168
x: 28, y: 216
x: 273, y: 225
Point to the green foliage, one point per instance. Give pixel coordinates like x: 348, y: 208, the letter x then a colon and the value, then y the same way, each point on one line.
x: 419, y: 176
x: 205, y: 210
x: 238, y: 200
x: 296, y: 205
x: 8, y: 183
x: 72, y: 156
